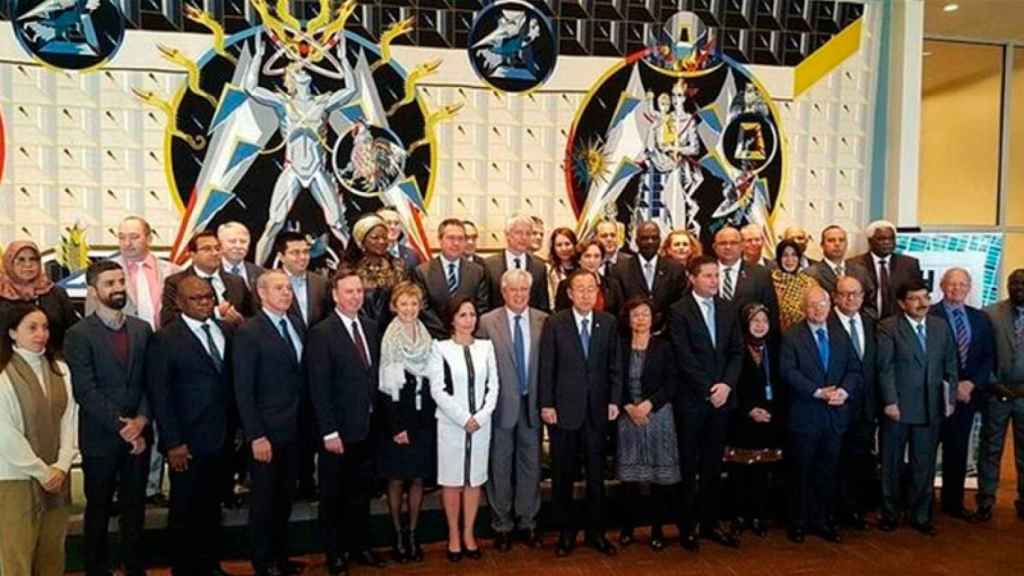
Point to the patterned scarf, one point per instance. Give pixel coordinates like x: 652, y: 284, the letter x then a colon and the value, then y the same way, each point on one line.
x: 401, y: 352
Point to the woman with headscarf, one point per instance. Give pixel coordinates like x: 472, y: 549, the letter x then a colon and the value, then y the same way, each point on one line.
x: 23, y: 280
x: 757, y: 431
x: 791, y: 283
x: 407, y: 448
x: 379, y: 270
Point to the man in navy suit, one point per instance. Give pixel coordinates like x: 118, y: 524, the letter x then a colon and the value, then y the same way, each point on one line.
x: 269, y: 380
x: 190, y: 390
x: 647, y: 274
x: 818, y: 365
x: 580, y: 392
x: 342, y: 356
x: 975, y: 345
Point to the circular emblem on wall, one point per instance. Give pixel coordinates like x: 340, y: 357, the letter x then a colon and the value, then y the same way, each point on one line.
x: 512, y: 46
x: 678, y: 133
x: 368, y: 159
x: 69, y: 34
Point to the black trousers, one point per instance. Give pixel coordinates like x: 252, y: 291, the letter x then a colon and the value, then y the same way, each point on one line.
x: 270, y: 505
x: 923, y: 442
x: 664, y: 500
x: 954, y: 436
x: 566, y: 447
x: 309, y: 444
x: 194, y: 519
x: 125, y: 474
x: 857, y: 465
x: 701, y: 446
x: 752, y: 489
x: 814, y: 460
x: 346, y: 485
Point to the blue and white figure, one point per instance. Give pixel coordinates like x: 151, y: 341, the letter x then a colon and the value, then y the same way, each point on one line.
x: 69, y: 34
x: 512, y: 46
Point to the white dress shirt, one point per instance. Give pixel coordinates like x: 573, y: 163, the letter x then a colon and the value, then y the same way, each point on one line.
x: 653, y: 265
x: 228, y: 267
x: 847, y: 322
x: 525, y: 324
x: 275, y: 319
x: 510, y: 261
x: 299, y: 284
x: 196, y: 327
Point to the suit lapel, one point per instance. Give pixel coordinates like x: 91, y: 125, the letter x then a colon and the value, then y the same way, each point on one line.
x: 197, y: 346
x: 697, y: 315
x: 811, y: 342
x: 911, y: 334
x: 436, y: 280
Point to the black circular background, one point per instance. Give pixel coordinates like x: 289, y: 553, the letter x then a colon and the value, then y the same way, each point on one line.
x: 255, y: 188
x: 343, y: 151
x: 545, y: 48
x: 732, y: 132
x: 106, y: 19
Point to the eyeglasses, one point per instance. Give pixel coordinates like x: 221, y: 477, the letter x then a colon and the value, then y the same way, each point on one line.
x: 201, y: 297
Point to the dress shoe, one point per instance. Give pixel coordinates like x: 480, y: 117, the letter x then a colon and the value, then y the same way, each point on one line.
x: 928, y: 529
x: 795, y: 535
x: 400, y: 547
x: 601, y: 544
x: 291, y: 567
x: 690, y: 542
x: 368, y: 558
x: 982, y: 514
x: 337, y: 567
x: 758, y: 527
x: 830, y: 534
x: 503, y: 541
x: 886, y: 524
x: 723, y: 537
x: 856, y: 521
x: 455, y: 556
x: 473, y: 553
x: 566, y: 542
x: 415, y: 550
x: 959, y: 513
x: 534, y: 538
x: 626, y: 537
x: 657, y: 542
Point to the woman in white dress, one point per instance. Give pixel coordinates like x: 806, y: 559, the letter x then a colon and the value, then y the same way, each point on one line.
x: 465, y: 399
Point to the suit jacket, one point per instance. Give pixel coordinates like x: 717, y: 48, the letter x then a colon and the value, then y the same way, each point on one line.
x: 235, y: 291
x: 1001, y: 316
x: 866, y: 405
x: 802, y: 371
x: 901, y: 269
x: 190, y: 397
x: 981, y: 352
x: 319, y: 303
x: 609, y: 301
x: 252, y: 274
x: 627, y: 280
x: 701, y: 364
x: 164, y: 270
x: 408, y: 256
x: 496, y: 266
x: 494, y: 325
x: 826, y: 278
x: 106, y: 389
x: 344, y: 390
x: 269, y: 381
x: 572, y: 383
x: 755, y: 285
x: 659, y: 376
x: 912, y: 379
x: 434, y: 280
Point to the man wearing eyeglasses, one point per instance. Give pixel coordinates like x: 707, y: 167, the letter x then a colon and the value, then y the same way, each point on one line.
x: 232, y: 298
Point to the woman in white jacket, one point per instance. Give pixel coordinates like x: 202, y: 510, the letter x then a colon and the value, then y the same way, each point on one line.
x: 465, y: 399
x: 38, y: 431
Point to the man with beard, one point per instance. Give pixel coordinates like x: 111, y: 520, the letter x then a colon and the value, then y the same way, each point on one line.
x: 106, y: 354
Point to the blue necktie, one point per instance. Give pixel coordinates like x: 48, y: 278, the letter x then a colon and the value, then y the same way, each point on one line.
x: 921, y: 338
x: 519, y: 346
x: 585, y: 338
x: 286, y: 334
x: 823, y: 352
x: 709, y: 320
x: 218, y: 360
x: 963, y: 339
x: 453, y: 279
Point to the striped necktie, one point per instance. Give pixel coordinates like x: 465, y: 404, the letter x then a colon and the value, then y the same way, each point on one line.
x: 963, y: 339
x: 453, y: 280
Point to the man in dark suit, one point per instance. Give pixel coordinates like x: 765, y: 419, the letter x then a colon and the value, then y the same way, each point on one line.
x: 741, y: 283
x: 607, y: 233
x: 190, y: 392
x: 1003, y: 403
x: 342, y: 356
x: 472, y: 235
x: 234, y: 302
x: 709, y: 350
x: 917, y: 376
x: 269, y: 380
x: 883, y: 271
x: 513, y: 487
x: 234, y: 247
x: 972, y: 332
x: 449, y: 275
x: 818, y: 364
x: 857, y: 462
x: 580, y: 392
x: 753, y: 246
x: 833, y: 266
x: 396, y: 238
x: 661, y: 280
x: 106, y: 354
x: 516, y: 255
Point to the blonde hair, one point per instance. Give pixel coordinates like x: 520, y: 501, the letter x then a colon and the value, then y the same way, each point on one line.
x: 406, y: 288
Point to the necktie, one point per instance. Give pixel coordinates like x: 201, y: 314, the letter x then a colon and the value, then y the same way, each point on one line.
x: 709, y: 320
x: 236, y: 269
x: 517, y: 263
x: 649, y: 275
x: 357, y: 338
x: 453, y: 281
x: 823, y: 351
x: 921, y: 338
x: 585, y: 337
x: 884, y: 304
x: 840, y: 271
x: 286, y: 334
x: 1018, y: 329
x: 727, y: 287
x: 963, y: 339
x: 519, y: 347
x: 216, y: 295
x: 855, y: 337
x: 218, y: 360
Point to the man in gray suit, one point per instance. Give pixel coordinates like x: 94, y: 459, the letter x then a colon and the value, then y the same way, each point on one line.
x: 1003, y: 402
x: 515, y: 329
x: 917, y: 376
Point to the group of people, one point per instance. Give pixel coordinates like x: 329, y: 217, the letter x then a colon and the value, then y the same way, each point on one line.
x: 453, y: 372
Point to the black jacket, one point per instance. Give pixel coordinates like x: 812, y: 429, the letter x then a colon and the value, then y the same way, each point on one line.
x: 658, y: 382
x: 701, y: 364
x: 269, y: 381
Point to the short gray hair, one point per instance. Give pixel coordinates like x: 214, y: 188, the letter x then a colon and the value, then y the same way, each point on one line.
x: 878, y: 225
x: 947, y: 273
x: 518, y: 219
x: 514, y: 274
x: 232, y: 225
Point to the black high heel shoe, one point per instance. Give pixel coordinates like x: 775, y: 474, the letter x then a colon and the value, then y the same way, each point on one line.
x: 400, y: 549
x: 657, y: 542
x: 415, y: 552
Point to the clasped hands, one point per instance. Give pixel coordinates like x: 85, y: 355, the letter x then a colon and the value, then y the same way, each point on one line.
x: 833, y: 395
x: 131, y: 432
x: 550, y: 415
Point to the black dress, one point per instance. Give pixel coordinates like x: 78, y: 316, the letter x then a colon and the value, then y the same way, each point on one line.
x: 418, y: 458
x: 759, y: 387
x: 60, y: 313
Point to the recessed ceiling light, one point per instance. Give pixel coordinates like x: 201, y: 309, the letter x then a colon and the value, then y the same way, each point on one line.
x: 951, y: 7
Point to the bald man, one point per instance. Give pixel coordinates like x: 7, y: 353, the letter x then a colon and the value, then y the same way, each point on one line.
x: 753, y: 246
x: 818, y: 365
x: 739, y: 282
